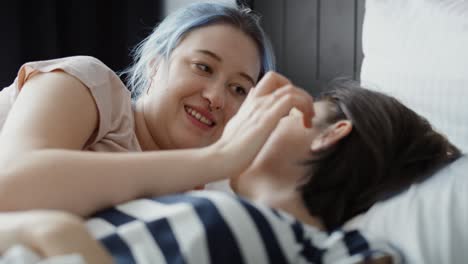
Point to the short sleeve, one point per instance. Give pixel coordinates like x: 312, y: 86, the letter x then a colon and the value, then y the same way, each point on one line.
x: 112, y: 98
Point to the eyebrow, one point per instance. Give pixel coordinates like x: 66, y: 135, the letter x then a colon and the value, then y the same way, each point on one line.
x: 218, y: 58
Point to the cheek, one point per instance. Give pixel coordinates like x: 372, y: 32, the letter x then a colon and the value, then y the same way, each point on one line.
x: 183, y: 87
x: 291, y: 135
x: 231, y: 109
x: 285, y: 140
x: 182, y: 82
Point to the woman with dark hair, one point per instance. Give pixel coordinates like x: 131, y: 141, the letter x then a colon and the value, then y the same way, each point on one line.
x: 389, y: 147
x: 301, y: 187
x: 364, y: 147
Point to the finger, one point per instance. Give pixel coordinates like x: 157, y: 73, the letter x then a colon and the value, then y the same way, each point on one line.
x: 308, y: 111
x: 249, y: 95
x: 295, y: 112
x: 282, y: 106
x: 270, y: 82
x: 307, y: 107
x: 307, y: 119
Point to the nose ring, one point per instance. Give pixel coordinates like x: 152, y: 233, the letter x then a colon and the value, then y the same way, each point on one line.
x: 213, y: 108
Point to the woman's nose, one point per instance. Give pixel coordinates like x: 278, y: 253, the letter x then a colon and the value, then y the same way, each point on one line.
x: 215, y: 95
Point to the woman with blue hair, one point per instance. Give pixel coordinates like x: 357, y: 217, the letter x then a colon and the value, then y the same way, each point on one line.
x: 73, y: 139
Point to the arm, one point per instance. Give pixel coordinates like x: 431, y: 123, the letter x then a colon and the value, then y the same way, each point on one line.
x: 50, y: 122
x: 55, y: 115
x: 50, y: 233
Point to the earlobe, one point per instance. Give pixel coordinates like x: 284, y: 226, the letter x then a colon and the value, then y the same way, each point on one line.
x: 331, y: 136
x: 318, y: 144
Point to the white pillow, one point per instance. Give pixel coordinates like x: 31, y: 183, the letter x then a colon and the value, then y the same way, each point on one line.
x: 417, y: 51
x: 427, y: 222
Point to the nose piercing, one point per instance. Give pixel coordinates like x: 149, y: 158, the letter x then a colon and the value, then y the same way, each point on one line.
x: 210, y: 106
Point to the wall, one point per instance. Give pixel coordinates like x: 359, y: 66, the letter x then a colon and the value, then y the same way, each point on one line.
x: 172, y: 5
x: 315, y: 40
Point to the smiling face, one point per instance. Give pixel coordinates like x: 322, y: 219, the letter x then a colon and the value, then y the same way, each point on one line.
x: 201, y: 87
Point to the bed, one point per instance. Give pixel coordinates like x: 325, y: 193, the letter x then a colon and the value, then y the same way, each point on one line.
x: 416, y: 50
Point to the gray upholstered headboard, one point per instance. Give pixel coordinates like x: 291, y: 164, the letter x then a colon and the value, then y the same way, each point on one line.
x: 314, y: 40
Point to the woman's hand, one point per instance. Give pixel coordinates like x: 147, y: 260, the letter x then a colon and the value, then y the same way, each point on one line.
x: 245, y: 134
x: 50, y: 233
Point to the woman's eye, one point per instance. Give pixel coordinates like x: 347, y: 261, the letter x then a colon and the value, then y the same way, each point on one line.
x: 239, y: 90
x: 203, y: 67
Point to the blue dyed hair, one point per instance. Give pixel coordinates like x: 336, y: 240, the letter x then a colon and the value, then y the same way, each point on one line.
x: 168, y: 34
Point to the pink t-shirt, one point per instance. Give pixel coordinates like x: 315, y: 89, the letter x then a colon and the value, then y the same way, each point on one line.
x: 115, y: 132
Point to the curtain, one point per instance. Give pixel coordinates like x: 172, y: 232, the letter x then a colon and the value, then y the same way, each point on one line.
x: 47, y: 29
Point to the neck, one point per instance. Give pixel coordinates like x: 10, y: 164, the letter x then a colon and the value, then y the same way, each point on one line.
x: 141, y: 129
x: 280, y: 195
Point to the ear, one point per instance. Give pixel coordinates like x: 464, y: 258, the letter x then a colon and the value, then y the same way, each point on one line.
x: 331, y: 135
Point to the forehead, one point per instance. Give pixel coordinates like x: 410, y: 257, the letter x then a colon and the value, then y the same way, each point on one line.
x: 233, y: 46
x: 322, y: 110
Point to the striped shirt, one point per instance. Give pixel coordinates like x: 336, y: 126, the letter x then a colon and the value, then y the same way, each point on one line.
x: 213, y: 227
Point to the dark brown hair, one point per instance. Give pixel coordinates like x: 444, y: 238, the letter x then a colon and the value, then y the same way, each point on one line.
x: 389, y: 147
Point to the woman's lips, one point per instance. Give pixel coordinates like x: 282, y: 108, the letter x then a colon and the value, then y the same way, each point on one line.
x: 199, y: 117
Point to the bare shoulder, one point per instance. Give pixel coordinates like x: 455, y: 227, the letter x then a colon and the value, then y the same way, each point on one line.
x: 53, y: 110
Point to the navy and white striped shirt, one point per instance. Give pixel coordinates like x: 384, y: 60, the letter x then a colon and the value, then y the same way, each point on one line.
x: 213, y: 227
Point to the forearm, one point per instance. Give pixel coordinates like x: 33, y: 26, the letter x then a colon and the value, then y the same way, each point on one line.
x: 49, y: 234
x: 83, y: 182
